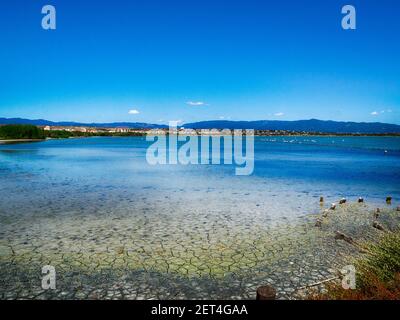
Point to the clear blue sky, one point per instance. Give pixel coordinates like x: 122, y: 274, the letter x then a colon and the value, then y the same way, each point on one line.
x: 194, y: 60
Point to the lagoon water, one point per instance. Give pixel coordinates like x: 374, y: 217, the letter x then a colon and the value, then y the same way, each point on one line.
x: 114, y: 226
x: 110, y: 174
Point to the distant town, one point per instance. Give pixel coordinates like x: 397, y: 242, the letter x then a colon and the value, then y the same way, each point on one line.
x: 187, y: 131
x: 91, y: 129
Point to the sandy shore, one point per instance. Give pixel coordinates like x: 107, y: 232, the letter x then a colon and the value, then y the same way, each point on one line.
x: 12, y: 141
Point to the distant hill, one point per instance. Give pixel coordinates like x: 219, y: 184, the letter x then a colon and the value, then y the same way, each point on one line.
x: 312, y: 125
x: 41, y: 122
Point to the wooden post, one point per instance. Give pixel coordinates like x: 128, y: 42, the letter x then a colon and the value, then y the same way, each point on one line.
x: 341, y: 236
x: 318, y: 223
x: 266, y: 293
x: 378, y: 226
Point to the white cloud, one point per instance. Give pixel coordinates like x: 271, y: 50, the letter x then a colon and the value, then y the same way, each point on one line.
x: 196, y: 103
x: 376, y: 113
x: 279, y: 114
x: 133, y: 111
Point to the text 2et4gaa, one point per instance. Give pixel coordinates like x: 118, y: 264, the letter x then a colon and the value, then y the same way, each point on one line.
x: 201, y: 309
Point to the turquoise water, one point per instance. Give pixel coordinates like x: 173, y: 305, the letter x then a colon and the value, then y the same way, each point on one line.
x: 107, y: 174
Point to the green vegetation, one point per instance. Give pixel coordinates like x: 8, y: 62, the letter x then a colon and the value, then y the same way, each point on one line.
x: 63, y: 134
x: 21, y: 131
x: 378, y: 273
x: 383, y: 259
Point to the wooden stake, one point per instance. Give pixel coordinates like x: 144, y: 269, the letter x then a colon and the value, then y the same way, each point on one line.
x: 266, y: 293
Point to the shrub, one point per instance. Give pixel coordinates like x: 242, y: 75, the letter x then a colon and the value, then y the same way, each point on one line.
x: 21, y: 131
x: 378, y: 274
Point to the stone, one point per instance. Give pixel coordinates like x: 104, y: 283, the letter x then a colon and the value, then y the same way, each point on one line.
x: 321, y: 199
x: 342, y: 201
x: 333, y: 206
x: 341, y: 236
x: 388, y: 200
x: 360, y: 199
x: 266, y: 293
x: 378, y: 226
x: 318, y: 223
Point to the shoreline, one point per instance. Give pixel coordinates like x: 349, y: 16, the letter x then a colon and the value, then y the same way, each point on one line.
x: 13, y: 141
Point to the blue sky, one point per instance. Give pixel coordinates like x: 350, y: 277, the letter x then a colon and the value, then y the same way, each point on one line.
x: 200, y: 60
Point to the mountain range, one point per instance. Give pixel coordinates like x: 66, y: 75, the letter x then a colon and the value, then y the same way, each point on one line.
x: 42, y: 122
x: 312, y: 125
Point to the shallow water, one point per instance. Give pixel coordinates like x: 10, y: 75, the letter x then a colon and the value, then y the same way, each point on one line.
x: 110, y: 174
x: 115, y: 227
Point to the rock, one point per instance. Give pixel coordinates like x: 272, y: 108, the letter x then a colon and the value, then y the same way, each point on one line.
x: 321, y: 199
x: 318, y: 223
x: 398, y: 208
x: 325, y: 213
x: 343, y: 200
x: 388, y: 200
x: 378, y: 210
x: 333, y: 206
x: 360, y: 199
x: 377, y: 225
x: 341, y: 236
x: 266, y: 293
x: 376, y: 215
